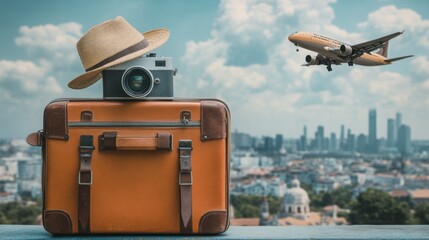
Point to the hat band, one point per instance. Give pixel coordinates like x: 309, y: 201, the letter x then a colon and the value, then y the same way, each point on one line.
x: 134, y: 48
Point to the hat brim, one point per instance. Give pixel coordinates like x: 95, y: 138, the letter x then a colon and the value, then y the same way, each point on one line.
x: 155, y: 38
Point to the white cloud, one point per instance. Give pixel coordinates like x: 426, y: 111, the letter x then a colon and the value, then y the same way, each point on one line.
x: 25, y: 78
x: 202, y: 53
x: 421, y: 65
x: 426, y: 84
x: 239, y: 18
x: 50, y: 37
x: 392, y: 19
x: 232, y: 77
x: 52, y: 55
x: 54, y: 42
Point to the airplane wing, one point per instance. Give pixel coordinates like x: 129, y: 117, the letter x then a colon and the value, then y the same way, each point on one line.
x: 373, y: 44
x: 398, y: 58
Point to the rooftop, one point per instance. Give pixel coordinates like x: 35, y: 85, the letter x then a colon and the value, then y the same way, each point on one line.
x: 420, y: 193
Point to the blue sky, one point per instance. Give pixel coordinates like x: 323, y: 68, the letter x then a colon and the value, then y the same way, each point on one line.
x: 233, y: 50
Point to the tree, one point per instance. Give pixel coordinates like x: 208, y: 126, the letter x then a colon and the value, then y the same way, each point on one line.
x: 249, y: 211
x: 342, y: 196
x: 248, y: 205
x: 14, y: 213
x: 378, y: 207
x: 3, y: 218
x: 422, y: 213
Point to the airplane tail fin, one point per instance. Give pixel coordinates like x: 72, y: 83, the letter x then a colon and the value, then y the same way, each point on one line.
x: 383, y: 49
x: 398, y: 58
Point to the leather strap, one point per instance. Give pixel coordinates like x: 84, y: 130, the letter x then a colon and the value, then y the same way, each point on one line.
x: 85, y: 180
x: 185, y: 184
x: 35, y: 138
x: 117, y: 141
x: 134, y: 48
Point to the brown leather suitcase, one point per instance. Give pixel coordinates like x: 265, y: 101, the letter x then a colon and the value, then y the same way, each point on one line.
x: 112, y: 167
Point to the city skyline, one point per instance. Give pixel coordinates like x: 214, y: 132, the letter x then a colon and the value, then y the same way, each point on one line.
x: 398, y: 141
x: 380, y: 132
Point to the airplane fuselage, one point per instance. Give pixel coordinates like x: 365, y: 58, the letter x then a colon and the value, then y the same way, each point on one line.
x: 328, y: 47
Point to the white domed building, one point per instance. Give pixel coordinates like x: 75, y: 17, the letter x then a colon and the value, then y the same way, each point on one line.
x: 296, y: 202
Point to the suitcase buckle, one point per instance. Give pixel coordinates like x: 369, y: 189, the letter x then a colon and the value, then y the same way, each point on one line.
x: 85, y: 183
x: 185, y: 183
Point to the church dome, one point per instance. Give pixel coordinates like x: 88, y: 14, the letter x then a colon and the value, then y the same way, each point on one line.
x: 296, y: 195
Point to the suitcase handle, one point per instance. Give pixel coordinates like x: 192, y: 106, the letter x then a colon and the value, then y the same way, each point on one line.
x: 115, y: 141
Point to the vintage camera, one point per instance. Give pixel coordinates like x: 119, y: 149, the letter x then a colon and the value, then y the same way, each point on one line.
x: 144, y: 77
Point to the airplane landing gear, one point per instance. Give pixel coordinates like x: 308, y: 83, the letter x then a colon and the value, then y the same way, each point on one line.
x: 297, y: 49
x: 350, y: 63
x: 328, y: 64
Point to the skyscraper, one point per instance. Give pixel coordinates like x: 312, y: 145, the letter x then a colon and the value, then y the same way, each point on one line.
x: 391, y: 132
x: 342, y: 140
x: 320, y: 138
x: 404, y: 139
x: 305, y: 131
x: 333, y: 145
x: 361, y: 143
x: 303, y: 140
x: 398, y: 124
x: 351, y: 141
x: 372, y: 131
x: 279, y: 141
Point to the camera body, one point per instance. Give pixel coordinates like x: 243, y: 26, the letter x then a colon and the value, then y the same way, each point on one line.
x: 144, y: 77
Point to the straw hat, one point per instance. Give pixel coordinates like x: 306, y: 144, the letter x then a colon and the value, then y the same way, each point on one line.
x: 111, y: 43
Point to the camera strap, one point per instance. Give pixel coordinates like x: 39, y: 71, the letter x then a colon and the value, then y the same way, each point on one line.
x: 185, y: 184
x: 85, y: 181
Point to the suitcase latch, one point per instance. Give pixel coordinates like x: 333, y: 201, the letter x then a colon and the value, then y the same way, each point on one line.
x: 185, y: 117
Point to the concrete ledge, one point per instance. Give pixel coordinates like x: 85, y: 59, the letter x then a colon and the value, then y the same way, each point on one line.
x: 363, y: 232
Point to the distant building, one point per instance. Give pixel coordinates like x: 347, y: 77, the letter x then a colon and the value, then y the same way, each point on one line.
x: 278, y: 141
x: 342, y: 139
x: 398, y: 123
x: 320, y: 138
x: 351, y: 141
x: 264, y: 213
x: 29, y: 170
x: 7, y: 197
x: 330, y: 215
x: 404, y: 139
x: 391, y: 132
x: 358, y: 179
x: 361, y: 143
x: 268, y: 144
x: 266, y: 187
x: 241, y: 140
x: 296, y: 202
x: 295, y: 210
x: 333, y: 145
x: 388, y: 181
x: 372, y: 131
x: 325, y: 185
x: 399, y: 193
x: 420, y: 196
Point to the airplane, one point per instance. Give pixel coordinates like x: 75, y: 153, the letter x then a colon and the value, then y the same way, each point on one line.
x: 331, y: 51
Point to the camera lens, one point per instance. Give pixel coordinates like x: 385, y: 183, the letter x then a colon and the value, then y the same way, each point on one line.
x: 137, y: 82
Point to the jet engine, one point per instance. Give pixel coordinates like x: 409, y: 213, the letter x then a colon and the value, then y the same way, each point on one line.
x: 346, y: 50
x: 311, y: 60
